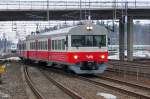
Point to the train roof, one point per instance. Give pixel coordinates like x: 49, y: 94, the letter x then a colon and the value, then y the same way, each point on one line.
x: 74, y: 30
x: 58, y: 31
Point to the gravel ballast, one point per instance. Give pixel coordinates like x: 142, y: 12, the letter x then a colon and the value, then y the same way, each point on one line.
x: 47, y: 88
x: 13, y: 86
x: 86, y: 89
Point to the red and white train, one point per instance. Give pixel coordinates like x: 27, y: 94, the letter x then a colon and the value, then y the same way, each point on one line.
x: 82, y: 48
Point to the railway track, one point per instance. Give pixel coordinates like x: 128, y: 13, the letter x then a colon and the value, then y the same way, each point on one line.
x: 132, y: 84
x: 127, y: 88
x: 145, y: 63
x: 142, y: 61
x: 142, y: 70
x: 71, y: 93
x: 59, y: 85
x: 31, y: 85
x: 129, y: 63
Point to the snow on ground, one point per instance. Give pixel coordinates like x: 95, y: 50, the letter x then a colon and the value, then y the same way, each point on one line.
x: 143, y: 54
x: 116, y: 57
x: 13, y: 58
x: 3, y: 95
x: 106, y: 95
x: 140, y: 54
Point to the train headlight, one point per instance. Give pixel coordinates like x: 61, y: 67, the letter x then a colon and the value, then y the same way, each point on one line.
x: 102, y: 56
x: 75, y: 57
x: 89, y: 28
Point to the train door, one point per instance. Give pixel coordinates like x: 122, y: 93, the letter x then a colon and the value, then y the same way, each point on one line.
x: 49, y: 47
x: 27, y: 49
x: 49, y: 44
x: 66, y: 42
x: 36, y: 49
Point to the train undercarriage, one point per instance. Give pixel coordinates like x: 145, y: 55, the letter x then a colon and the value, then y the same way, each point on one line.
x: 85, y: 67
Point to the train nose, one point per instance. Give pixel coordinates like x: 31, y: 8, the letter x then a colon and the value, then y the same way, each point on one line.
x: 88, y: 65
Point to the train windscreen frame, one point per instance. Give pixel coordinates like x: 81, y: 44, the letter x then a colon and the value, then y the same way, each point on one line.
x: 88, y: 40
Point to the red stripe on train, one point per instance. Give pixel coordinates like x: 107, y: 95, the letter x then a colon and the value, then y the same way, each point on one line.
x: 70, y: 57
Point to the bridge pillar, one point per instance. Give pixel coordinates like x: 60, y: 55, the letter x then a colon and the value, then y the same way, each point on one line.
x: 121, y: 38
x: 130, y: 39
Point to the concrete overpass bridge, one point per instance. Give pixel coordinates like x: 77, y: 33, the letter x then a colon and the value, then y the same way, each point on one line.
x: 71, y: 10
x: 76, y: 10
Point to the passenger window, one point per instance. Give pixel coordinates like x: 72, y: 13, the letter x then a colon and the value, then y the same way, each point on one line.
x: 63, y: 44
x: 46, y: 45
x: 59, y: 44
x: 66, y: 42
x: 56, y: 44
x: 53, y: 44
x: 39, y: 45
x: 43, y: 45
x: 33, y: 45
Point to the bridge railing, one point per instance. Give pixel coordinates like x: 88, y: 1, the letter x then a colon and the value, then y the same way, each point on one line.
x: 71, y: 5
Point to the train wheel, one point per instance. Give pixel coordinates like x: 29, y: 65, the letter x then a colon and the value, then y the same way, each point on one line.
x: 42, y: 63
x: 50, y: 64
x: 66, y: 69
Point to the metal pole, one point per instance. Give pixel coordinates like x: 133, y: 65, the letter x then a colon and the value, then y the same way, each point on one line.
x: 89, y: 8
x: 80, y: 10
x: 47, y: 10
x: 85, y: 10
x: 135, y: 3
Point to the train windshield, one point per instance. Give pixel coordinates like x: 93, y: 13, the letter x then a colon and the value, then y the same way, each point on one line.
x: 88, y: 40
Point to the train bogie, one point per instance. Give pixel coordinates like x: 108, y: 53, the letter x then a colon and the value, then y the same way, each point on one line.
x: 89, y: 69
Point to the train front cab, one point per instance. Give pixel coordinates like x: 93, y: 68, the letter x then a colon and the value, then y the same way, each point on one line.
x: 88, y: 54
x: 84, y: 65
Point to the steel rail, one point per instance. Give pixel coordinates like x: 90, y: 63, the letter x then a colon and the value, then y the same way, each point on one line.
x: 130, y: 67
x: 71, y: 93
x: 129, y: 63
x: 126, y: 72
x: 131, y: 92
x: 31, y: 85
x: 125, y: 82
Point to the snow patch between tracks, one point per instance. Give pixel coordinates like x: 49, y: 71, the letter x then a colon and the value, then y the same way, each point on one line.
x: 106, y: 95
x: 3, y: 95
x: 13, y: 58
